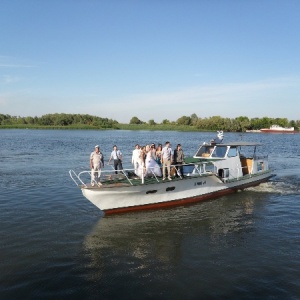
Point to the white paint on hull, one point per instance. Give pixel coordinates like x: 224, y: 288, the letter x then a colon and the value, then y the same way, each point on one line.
x: 130, y: 196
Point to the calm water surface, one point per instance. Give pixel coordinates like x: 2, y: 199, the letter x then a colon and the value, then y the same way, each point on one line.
x: 55, y: 244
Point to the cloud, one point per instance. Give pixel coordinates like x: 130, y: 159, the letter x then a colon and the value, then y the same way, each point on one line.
x: 253, y: 99
x: 8, y: 79
x: 15, y: 66
x: 10, y: 62
x: 216, y: 93
x: 228, y: 100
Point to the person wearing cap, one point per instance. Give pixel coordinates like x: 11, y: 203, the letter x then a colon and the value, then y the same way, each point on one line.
x: 96, y: 163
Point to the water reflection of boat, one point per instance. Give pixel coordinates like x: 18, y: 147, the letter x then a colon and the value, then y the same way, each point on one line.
x: 216, y: 169
x: 165, y: 237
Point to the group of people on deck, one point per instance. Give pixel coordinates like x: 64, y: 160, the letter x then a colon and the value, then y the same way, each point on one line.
x: 147, y: 160
x: 150, y: 160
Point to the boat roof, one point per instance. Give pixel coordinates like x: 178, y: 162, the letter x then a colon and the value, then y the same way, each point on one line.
x: 235, y: 144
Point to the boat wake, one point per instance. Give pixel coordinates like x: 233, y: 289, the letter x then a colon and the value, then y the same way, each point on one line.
x: 283, y: 187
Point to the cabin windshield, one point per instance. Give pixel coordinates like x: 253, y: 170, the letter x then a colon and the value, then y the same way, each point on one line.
x: 205, y: 151
x: 219, y: 151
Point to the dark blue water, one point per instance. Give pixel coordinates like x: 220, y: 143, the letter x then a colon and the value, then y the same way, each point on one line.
x: 55, y: 244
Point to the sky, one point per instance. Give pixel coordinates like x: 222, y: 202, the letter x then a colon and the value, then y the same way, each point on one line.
x: 153, y: 59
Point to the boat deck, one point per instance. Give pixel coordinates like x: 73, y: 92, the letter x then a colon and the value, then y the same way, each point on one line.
x: 122, y: 181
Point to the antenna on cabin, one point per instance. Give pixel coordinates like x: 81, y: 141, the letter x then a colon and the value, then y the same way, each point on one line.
x: 220, y: 137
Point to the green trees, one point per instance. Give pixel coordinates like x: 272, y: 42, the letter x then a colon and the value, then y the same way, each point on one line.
x: 61, y: 120
x: 238, y: 124
x: 135, y: 120
x: 152, y: 122
x: 184, y: 120
x: 165, y: 122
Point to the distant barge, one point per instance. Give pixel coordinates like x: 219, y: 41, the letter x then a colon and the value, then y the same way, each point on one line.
x: 279, y: 129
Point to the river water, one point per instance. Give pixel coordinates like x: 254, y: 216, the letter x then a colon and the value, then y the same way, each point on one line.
x: 55, y: 244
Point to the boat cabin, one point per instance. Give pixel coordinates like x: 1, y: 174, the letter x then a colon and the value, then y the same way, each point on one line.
x: 232, y: 160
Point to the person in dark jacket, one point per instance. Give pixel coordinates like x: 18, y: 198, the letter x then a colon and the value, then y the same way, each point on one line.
x: 179, y: 160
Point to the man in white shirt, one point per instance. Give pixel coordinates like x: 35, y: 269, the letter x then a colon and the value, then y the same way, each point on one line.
x: 167, y: 157
x: 96, y: 163
x: 116, y: 155
x: 136, y: 160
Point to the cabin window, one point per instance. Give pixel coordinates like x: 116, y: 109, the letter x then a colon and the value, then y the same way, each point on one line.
x: 205, y: 151
x: 151, y: 192
x: 232, y: 152
x: 219, y: 151
x: 171, y: 188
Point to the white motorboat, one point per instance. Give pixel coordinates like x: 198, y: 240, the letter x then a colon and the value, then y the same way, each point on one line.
x: 215, y: 170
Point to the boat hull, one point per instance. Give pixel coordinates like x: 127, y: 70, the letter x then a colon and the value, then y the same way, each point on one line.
x: 170, y: 193
x: 278, y: 131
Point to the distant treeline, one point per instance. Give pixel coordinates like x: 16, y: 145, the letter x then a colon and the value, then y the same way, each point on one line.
x: 239, y: 124
x: 58, y: 120
x: 85, y: 121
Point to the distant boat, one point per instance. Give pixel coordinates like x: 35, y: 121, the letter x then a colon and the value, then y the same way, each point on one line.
x: 278, y: 129
x: 253, y: 130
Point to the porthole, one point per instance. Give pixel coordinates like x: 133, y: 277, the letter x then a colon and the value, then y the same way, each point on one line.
x: 171, y: 188
x: 151, y: 192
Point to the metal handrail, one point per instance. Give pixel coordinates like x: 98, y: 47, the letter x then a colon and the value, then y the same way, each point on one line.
x: 78, y: 180
x: 72, y: 172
